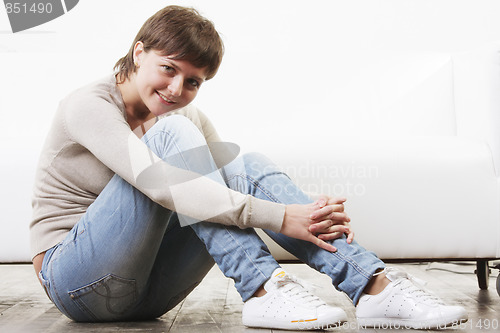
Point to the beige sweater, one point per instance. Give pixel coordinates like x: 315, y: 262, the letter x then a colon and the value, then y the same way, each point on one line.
x: 90, y: 141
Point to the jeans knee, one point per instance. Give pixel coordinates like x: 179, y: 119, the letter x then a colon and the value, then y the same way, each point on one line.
x: 173, y: 134
x: 259, y: 164
x: 176, y: 125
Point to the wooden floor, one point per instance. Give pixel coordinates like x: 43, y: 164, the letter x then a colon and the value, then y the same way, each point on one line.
x: 215, y: 306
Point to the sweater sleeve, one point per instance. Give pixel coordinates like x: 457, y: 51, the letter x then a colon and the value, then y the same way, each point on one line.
x: 99, y: 126
x: 208, y: 128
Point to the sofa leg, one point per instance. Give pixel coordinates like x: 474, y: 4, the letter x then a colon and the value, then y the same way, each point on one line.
x: 483, y: 274
x: 498, y: 284
x: 498, y: 279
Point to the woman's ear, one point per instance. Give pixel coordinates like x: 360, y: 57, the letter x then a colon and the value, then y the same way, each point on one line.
x: 138, y: 52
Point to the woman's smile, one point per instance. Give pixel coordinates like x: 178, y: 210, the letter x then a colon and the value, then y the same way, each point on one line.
x: 164, y: 99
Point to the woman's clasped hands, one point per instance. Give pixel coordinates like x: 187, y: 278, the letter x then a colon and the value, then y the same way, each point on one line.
x: 321, y: 221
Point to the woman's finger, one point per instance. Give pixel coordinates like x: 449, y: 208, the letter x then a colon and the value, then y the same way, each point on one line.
x: 324, y: 200
x: 337, y: 233
x: 336, y: 200
x: 331, y: 236
x: 350, y: 237
x: 319, y: 227
x: 322, y: 244
x: 327, y: 227
x: 325, y: 211
x: 339, y: 217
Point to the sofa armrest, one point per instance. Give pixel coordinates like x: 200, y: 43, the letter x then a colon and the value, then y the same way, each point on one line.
x: 477, y: 96
x: 428, y: 197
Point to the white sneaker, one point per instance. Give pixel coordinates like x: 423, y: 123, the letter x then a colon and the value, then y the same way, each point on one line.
x: 404, y: 303
x: 289, y: 305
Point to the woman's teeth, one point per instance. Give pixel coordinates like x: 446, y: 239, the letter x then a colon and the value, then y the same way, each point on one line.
x: 165, y: 99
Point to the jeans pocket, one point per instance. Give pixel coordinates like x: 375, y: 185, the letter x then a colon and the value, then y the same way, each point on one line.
x: 107, y: 298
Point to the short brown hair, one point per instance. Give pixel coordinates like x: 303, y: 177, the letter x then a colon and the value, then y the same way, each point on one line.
x: 179, y: 32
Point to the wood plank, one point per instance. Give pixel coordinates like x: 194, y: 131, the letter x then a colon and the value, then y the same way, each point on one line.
x: 215, y: 306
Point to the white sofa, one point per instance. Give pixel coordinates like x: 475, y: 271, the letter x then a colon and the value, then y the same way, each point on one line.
x: 423, y: 181
x: 393, y: 104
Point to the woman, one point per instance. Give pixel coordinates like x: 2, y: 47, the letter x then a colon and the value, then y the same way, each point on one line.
x: 124, y: 166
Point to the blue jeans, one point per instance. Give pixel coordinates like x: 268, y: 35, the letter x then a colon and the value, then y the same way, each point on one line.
x: 128, y: 258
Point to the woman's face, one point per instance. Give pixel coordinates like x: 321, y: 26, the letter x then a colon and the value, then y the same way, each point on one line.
x: 165, y: 84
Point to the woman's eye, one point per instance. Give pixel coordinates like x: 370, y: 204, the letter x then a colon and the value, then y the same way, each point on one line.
x: 193, y: 83
x: 168, y: 69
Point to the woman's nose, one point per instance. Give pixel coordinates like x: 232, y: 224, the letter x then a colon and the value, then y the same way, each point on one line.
x: 175, y: 86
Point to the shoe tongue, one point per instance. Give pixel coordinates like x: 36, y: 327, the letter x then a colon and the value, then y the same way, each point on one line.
x: 280, y: 278
x: 396, y: 275
x: 278, y: 274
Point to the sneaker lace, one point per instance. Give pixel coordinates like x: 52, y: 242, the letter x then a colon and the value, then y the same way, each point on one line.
x: 298, y: 291
x: 413, y: 286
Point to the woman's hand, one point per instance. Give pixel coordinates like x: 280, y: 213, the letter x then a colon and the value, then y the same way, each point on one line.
x: 297, y: 223
x: 330, y: 220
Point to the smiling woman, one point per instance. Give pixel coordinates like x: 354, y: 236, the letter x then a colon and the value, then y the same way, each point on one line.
x: 159, y: 84
x: 109, y: 247
x: 188, y: 36
x: 167, y: 64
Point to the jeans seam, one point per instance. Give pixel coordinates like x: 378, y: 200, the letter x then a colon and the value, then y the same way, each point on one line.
x: 52, y: 260
x: 173, y: 142
x: 256, y: 183
x: 254, y: 265
x: 244, y: 250
x: 353, y: 263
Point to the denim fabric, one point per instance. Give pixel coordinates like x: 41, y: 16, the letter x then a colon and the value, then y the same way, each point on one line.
x: 128, y: 258
x: 350, y: 267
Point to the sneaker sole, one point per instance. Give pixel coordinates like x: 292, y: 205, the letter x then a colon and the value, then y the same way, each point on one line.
x: 288, y: 325
x: 396, y: 323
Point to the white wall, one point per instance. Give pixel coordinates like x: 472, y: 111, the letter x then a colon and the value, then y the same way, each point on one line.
x: 291, y: 68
